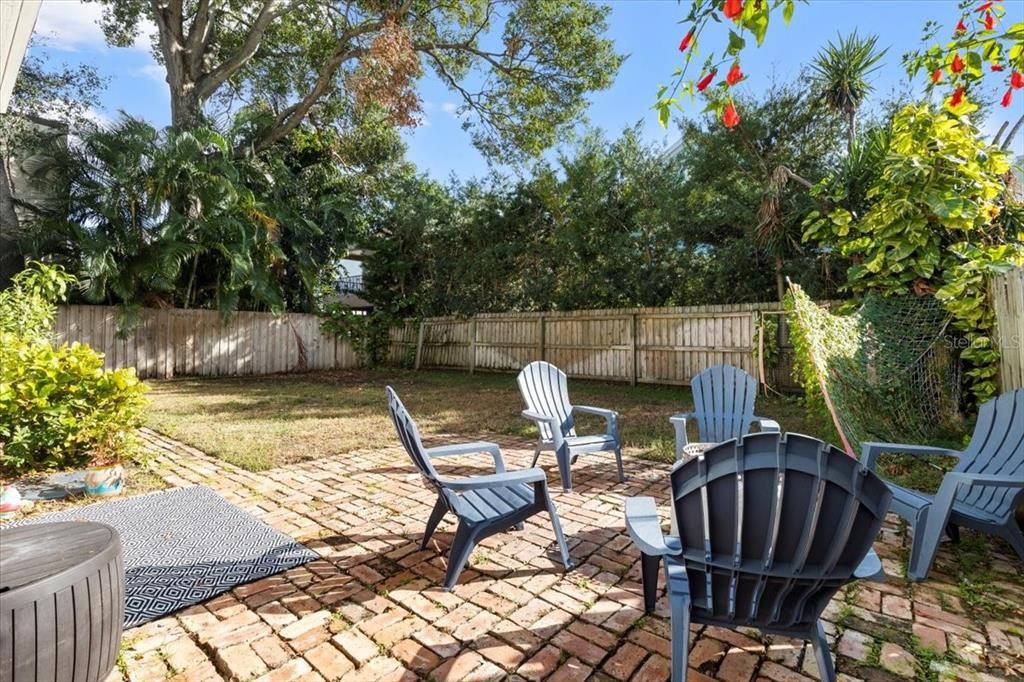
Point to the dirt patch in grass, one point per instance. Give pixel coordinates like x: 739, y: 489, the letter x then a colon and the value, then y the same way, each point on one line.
x: 263, y: 422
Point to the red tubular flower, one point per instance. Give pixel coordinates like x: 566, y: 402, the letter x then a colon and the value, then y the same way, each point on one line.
x: 735, y: 75
x: 936, y: 75
x: 1008, y: 97
x: 958, y: 64
x: 732, y: 8
x: 990, y: 22
x: 997, y: 67
x: 704, y: 82
x: 729, y: 116
x: 685, y: 43
x: 984, y: 7
x: 1017, y: 80
x: 958, y: 97
x: 961, y: 27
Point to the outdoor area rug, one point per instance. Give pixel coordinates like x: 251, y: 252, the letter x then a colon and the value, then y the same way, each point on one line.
x: 184, y: 546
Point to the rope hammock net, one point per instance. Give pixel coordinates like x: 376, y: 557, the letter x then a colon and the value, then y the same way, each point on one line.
x: 887, y: 371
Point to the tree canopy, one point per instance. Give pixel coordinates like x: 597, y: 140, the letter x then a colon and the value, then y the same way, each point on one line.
x: 522, y: 68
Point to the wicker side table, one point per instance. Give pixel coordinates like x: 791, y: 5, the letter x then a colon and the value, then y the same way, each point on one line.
x: 61, y: 602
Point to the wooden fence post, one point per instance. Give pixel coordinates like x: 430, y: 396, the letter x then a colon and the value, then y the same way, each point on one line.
x: 419, y: 347
x: 472, y: 344
x: 540, y: 352
x: 633, y: 348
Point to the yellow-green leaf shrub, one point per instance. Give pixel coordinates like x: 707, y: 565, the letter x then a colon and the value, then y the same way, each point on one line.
x: 59, y: 408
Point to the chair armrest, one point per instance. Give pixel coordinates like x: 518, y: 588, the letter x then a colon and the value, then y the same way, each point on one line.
x: 679, y: 422
x: 470, y: 449
x: 502, y: 480
x: 539, y: 418
x: 870, y: 568
x: 869, y: 452
x: 767, y: 425
x: 611, y: 417
x: 644, y: 526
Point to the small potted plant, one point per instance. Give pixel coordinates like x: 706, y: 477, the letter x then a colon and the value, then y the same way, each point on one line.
x: 105, y: 477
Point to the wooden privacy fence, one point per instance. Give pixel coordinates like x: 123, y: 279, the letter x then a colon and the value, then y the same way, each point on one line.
x: 174, y: 342
x: 639, y: 345
x: 1008, y: 300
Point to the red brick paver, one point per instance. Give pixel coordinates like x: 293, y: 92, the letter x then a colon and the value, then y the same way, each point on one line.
x: 371, y: 610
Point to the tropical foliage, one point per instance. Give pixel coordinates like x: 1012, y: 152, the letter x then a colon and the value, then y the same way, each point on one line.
x: 938, y: 218
x: 165, y: 218
x: 58, y: 406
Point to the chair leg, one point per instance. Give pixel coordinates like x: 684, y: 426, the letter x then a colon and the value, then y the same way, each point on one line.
x: 822, y: 655
x: 564, y: 470
x: 536, y: 455
x: 680, y: 439
x: 920, y: 555
x: 557, y: 525
x: 440, y: 508
x: 680, y: 607
x: 953, y: 531
x: 462, y: 547
x: 618, y: 461
x: 649, y: 565
x: 1015, y: 537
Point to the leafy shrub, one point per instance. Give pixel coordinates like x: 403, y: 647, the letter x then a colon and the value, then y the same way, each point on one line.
x: 58, y: 406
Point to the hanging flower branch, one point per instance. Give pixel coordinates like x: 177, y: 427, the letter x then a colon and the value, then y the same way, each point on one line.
x: 959, y: 65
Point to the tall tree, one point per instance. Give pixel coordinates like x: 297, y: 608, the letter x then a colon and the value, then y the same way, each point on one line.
x: 323, y: 59
x: 841, y: 72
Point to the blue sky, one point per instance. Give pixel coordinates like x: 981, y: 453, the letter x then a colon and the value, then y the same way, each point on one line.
x: 646, y: 30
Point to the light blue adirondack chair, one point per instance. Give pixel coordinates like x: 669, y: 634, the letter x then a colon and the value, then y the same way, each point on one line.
x: 982, y: 492
x: 770, y: 528
x: 723, y: 405
x: 484, y: 505
x: 546, y: 395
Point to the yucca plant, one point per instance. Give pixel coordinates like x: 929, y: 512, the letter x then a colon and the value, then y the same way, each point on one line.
x: 841, y: 72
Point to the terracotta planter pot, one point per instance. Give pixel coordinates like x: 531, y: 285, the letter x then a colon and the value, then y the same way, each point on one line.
x: 104, y: 481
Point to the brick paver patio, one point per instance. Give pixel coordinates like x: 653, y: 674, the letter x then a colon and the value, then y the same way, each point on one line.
x: 371, y: 608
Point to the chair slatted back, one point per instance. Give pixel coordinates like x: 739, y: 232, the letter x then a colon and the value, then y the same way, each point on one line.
x: 407, y: 432
x: 772, y: 526
x: 545, y: 391
x: 996, y: 448
x: 723, y: 399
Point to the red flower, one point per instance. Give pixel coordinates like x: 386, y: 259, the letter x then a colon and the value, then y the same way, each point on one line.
x: 958, y: 97
x: 687, y: 39
x: 732, y: 8
x: 704, y: 82
x: 1007, y: 98
x: 735, y: 75
x: 990, y: 22
x: 729, y: 116
x: 1017, y: 80
x: 958, y: 64
x: 961, y: 27
x: 936, y: 75
x: 984, y: 7
x: 997, y: 67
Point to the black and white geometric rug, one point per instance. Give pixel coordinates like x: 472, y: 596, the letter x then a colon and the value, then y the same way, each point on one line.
x: 184, y: 546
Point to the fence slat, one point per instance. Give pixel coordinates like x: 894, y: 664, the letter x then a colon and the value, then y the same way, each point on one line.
x: 1008, y: 302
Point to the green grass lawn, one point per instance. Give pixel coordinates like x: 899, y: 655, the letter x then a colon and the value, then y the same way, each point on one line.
x: 263, y: 422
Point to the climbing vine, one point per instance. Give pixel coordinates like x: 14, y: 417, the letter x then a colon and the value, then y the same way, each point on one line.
x: 940, y: 220
x: 369, y: 334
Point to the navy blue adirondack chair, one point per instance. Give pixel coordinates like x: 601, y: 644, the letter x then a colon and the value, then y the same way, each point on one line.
x: 982, y: 492
x: 545, y: 392
x: 484, y: 505
x: 770, y: 528
x: 723, y: 406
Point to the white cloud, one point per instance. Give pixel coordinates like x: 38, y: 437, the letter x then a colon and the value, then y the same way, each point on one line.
x: 450, y: 108
x: 153, y: 71
x: 72, y: 25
